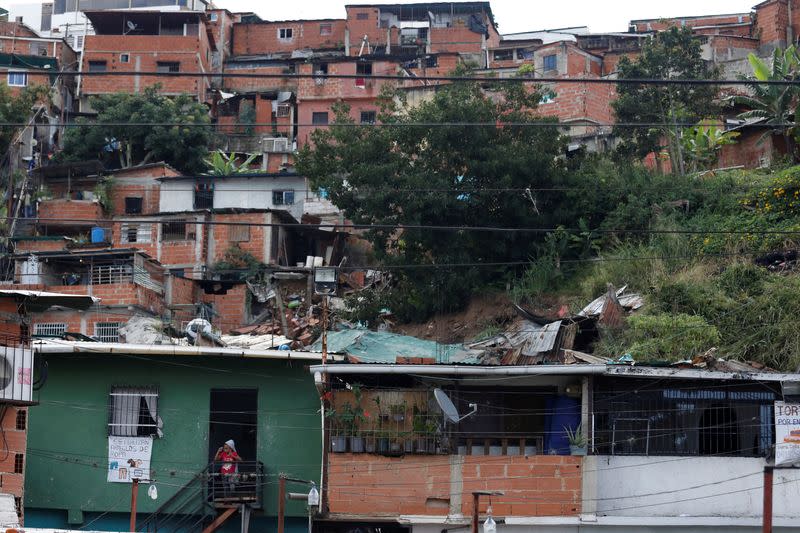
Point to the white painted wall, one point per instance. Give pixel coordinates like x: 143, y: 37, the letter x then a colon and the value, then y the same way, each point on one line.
x: 256, y: 193
x: 176, y: 196
x: 690, y: 487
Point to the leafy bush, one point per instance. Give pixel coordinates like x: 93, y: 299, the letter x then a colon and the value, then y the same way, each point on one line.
x: 669, y: 337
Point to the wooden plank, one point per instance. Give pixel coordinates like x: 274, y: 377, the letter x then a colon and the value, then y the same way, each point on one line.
x: 219, y: 520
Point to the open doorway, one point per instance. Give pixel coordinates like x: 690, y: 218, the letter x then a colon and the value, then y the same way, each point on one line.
x: 234, y: 416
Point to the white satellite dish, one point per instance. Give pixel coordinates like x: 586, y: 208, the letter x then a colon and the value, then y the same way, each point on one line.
x: 131, y: 25
x: 449, y: 410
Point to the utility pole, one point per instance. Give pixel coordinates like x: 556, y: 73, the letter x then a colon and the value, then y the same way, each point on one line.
x: 769, y: 472
x: 134, y: 493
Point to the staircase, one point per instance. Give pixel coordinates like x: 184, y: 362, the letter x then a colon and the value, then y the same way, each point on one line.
x: 209, y: 500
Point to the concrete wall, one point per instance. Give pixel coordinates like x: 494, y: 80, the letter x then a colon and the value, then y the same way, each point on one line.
x: 176, y: 196
x: 688, y: 487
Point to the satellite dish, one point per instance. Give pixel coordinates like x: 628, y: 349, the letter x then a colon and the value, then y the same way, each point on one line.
x: 449, y: 410
x: 131, y: 25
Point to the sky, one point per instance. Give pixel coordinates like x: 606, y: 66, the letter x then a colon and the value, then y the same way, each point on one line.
x: 518, y: 15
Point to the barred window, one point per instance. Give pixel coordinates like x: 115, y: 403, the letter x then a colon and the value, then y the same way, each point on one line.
x: 49, y: 329
x: 133, y: 412
x: 174, y: 230
x: 107, y: 331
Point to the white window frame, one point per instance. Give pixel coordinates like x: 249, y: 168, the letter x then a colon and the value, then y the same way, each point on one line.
x: 125, y: 409
x: 125, y: 57
x: 285, y: 34
x: 11, y: 76
x: 144, y: 233
x: 50, y: 329
x: 283, y: 195
x: 107, y: 331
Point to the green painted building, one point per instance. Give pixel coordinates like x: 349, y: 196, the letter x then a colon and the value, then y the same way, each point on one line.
x: 267, y: 404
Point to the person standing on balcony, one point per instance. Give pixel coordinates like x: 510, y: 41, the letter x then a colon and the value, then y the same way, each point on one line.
x: 228, y: 456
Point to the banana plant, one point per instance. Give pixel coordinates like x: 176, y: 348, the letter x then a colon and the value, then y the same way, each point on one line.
x: 222, y: 164
x: 703, y: 143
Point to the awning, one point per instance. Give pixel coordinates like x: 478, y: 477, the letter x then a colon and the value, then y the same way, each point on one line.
x: 38, y: 301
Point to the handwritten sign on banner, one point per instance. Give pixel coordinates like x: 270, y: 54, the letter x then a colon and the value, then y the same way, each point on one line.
x: 129, y: 458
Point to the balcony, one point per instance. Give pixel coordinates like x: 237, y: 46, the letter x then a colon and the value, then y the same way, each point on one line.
x: 242, y: 487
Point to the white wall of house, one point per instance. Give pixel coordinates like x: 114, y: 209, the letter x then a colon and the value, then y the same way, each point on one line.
x: 257, y: 193
x: 176, y: 196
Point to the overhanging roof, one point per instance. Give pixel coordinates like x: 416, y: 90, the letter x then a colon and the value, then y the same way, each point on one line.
x: 38, y: 301
x: 114, y: 22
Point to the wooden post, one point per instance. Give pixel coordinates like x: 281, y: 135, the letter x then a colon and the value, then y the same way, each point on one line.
x: 767, y: 514
x: 281, y: 502
x: 475, y: 511
x: 134, y: 493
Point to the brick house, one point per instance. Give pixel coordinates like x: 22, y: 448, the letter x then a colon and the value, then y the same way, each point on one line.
x: 400, y: 464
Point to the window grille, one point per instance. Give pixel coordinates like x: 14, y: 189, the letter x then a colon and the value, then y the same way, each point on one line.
x: 283, y: 110
x: 174, y: 230
x: 203, y: 196
x: 49, y: 329
x: 140, y: 233
x: 22, y: 419
x: 107, y: 331
x: 98, y: 66
x: 168, y: 66
x: 19, y: 463
x: 110, y: 274
x: 133, y: 412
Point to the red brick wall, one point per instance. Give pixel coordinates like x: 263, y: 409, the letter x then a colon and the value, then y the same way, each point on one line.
x: 69, y: 209
x: 15, y: 29
x: 150, y: 195
x: 771, y: 22
x: 710, y: 20
x: 369, y: 27
x: 748, y: 150
x: 17, y: 442
x: 575, y: 101
x: 260, y: 84
x: 543, y: 485
x: 50, y: 245
x: 189, y: 51
x: 231, y: 308
x: 262, y: 38
x: 221, y: 236
x: 456, y: 39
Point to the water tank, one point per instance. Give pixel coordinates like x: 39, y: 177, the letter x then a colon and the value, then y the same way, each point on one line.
x: 98, y: 234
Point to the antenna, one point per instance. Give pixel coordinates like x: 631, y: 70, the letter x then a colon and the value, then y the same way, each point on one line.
x: 449, y: 410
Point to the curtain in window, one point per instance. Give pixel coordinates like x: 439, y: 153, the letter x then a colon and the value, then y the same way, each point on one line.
x: 152, y: 408
x: 134, y: 411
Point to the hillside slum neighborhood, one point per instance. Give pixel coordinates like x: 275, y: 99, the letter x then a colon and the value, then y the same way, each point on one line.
x: 176, y: 348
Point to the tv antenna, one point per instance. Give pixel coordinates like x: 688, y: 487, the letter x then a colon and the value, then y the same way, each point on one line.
x: 450, y: 412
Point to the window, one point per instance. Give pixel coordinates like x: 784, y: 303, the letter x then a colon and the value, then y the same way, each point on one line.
x: 107, y: 331
x: 174, y: 230
x: 362, y: 16
x: 503, y: 55
x: 283, y: 110
x: 363, y: 69
x: 111, y: 274
x: 133, y: 205
x: 203, y: 196
x: 368, y: 117
x: 285, y: 34
x: 22, y: 419
x: 133, y: 412
x: 168, y: 66
x: 98, y: 66
x: 319, y: 118
x: 130, y: 233
x: 550, y: 62
x: 38, y: 49
x: 282, y: 197
x: 325, y: 29
x: 49, y: 329
x: 214, y: 17
x: 240, y: 233
x: 124, y: 58
x: 19, y: 463
x: 320, y: 69
x: 18, y: 79
x: 634, y: 417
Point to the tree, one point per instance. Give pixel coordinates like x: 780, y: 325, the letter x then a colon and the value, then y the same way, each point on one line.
x: 221, y: 164
x: 673, y: 54
x: 414, y: 171
x: 775, y: 105
x: 17, y: 110
x: 702, y: 144
x: 121, y: 136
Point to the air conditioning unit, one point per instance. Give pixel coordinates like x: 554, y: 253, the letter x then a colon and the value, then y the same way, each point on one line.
x: 16, y: 375
x: 275, y: 144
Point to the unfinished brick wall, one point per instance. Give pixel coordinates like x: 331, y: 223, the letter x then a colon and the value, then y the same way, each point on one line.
x: 231, y: 308
x: 14, y: 458
x: 22, y: 246
x: 710, y: 20
x: 70, y: 210
x: 145, y: 52
x: 263, y: 38
x: 772, y: 18
x: 543, y: 485
x: 225, y: 237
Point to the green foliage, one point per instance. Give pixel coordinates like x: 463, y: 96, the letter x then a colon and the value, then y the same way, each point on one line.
x: 222, y: 164
x: 467, y: 164
x: 703, y: 142
x: 669, y: 337
x: 247, y: 117
x: 18, y: 110
x: 236, y: 259
x: 776, y: 105
x: 671, y: 54
x: 112, y: 139
x: 103, y: 193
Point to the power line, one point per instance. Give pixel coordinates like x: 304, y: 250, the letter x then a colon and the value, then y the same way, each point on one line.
x: 388, y: 77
